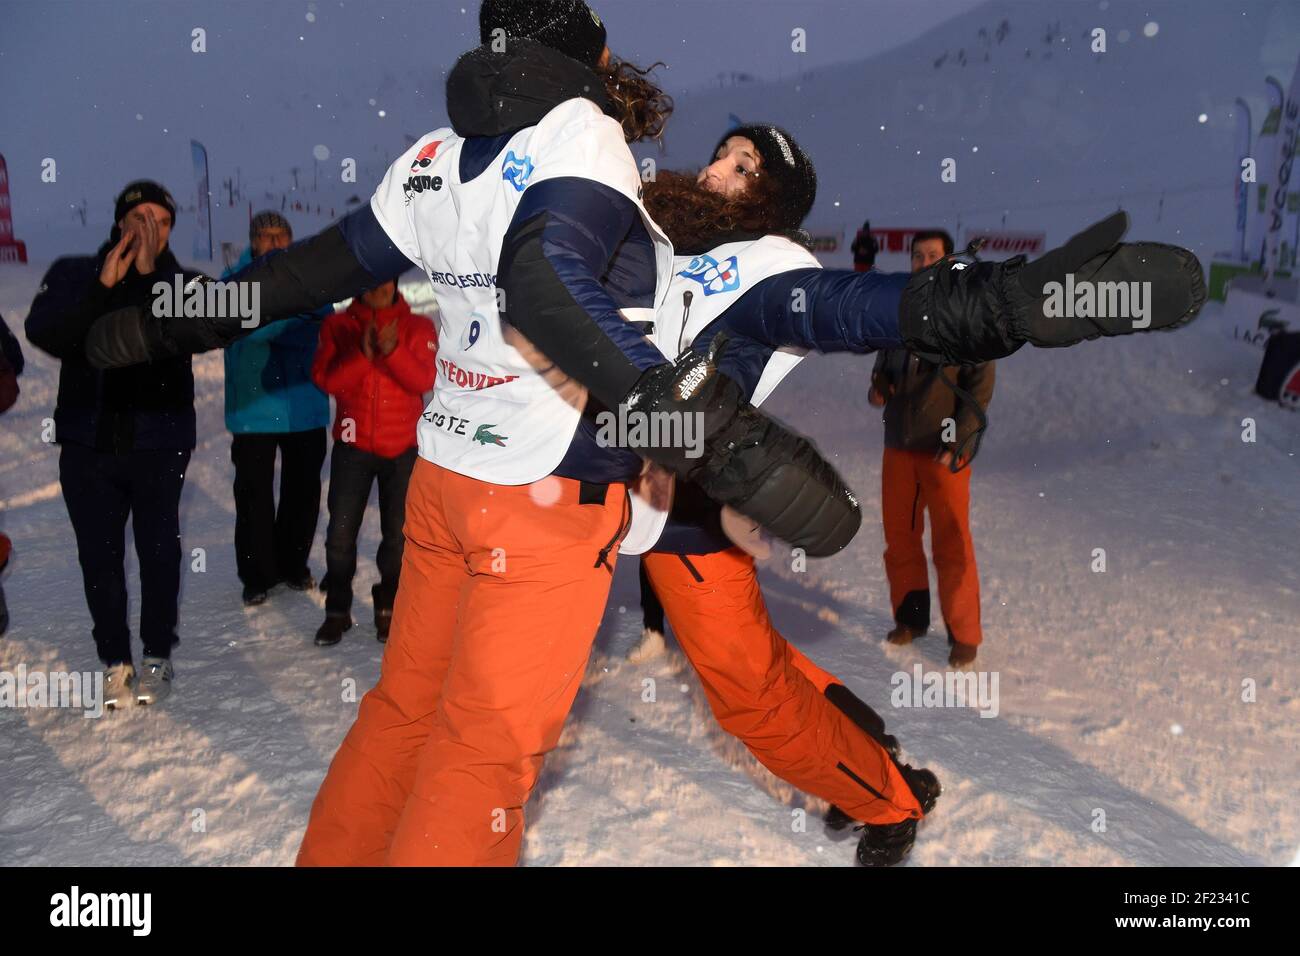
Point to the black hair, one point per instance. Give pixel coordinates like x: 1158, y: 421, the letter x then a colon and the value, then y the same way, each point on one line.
x: 940, y: 234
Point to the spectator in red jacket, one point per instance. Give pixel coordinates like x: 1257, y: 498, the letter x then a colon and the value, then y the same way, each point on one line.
x: 377, y: 359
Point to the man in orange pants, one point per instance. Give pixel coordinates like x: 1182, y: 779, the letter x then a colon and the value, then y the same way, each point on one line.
x: 461, y: 747
x: 927, y: 423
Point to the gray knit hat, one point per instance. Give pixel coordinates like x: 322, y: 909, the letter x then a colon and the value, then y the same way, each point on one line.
x: 268, y: 219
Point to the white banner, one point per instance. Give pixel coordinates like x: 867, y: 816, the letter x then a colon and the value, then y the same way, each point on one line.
x: 203, y: 211
x: 1242, y: 190
x: 1278, y: 251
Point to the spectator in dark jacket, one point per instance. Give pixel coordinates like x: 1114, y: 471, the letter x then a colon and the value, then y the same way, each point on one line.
x: 11, y: 366
x: 377, y: 359
x: 864, y: 249
x: 272, y: 404
x: 929, y: 428
x: 125, y: 438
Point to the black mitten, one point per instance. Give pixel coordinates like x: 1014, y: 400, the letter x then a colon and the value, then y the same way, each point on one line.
x: 959, y: 312
x: 747, y: 460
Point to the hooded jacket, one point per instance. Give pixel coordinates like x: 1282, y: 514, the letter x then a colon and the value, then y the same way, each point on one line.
x: 918, y: 403
x: 576, y: 254
x: 269, y: 388
x: 526, y: 216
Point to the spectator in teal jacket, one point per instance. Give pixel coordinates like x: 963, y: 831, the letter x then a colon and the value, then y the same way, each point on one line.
x: 272, y: 403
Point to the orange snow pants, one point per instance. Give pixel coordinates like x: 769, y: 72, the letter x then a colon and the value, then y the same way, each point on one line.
x: 912, y: 483
x: 501, y: 593
x: 766, y: 693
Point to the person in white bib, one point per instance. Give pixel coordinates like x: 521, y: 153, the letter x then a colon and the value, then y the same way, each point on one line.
x: 736, y: 229
x: 743, y: 270
x: 525, y: 213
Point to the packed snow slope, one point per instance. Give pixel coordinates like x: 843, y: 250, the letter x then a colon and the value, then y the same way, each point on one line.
x: 1119, y: 691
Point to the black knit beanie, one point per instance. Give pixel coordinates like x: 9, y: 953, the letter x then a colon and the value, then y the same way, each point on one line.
x: 788, y: 165
x: 569, y: 26
x: 140, y: 192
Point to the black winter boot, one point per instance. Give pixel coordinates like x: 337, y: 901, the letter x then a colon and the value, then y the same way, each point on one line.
x: 884, y: 844
x: 332, y: 631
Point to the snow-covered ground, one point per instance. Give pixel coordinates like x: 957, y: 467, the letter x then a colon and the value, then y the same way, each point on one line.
x: 1119, y: 691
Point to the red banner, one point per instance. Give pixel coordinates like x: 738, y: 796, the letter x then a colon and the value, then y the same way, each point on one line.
x: 897, y: 240
x: 1001, y: 244
x: 11, y: 250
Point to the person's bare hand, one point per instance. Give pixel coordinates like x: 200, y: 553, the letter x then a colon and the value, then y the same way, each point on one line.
x: 119, y: 259
x: 147, y: 245
x: 368, y: 341
x: 655, y: 486
x: 945, y: 458
x: 569, y: 389
x: 386, y: 339
x: 875, y: 398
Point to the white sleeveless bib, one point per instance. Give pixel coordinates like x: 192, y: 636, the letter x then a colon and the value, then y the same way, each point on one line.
x: 492, y: 417
x: 701, y: 289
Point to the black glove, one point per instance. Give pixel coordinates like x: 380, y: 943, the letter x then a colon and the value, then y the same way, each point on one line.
x: 317, y: 271
x: 127, y: 336
x: 961, y: 313
x: 749, y: 461
x: 132, y: 335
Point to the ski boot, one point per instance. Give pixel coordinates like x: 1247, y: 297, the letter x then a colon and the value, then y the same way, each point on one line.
x: 884, y: 844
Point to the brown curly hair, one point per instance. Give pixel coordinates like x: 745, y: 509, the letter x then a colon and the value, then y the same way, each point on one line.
x: 696, y: 219
x: 640, y: 105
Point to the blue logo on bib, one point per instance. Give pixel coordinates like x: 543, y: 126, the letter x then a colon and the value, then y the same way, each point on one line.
x: 516, y: 171
x: 715, y: 277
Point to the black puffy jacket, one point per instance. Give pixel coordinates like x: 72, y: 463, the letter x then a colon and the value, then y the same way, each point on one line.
x: 143, y: 407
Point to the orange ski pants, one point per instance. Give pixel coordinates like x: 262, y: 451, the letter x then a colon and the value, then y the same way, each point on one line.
x: 501, y: 593
x: 765, y: 692
x: 913, y: 483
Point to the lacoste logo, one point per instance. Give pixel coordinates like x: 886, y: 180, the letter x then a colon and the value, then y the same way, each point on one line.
x: 485, y: 437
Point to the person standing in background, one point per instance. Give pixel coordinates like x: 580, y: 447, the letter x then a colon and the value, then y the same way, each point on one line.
x: 377, y: 359
x: 272, y: 404
x: 125, y: 438
x: 864, y: 249
x: 928, y: 432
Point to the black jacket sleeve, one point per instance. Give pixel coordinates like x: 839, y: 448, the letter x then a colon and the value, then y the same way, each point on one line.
x: 827, y: 310
x: 70, y: 299
x: 348, y: 257
x: 13, y: 351
x: 978, y: 381
x: 564, y: 233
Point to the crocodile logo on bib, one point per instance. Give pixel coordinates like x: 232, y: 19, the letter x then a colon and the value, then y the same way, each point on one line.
x: 485, y: 437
